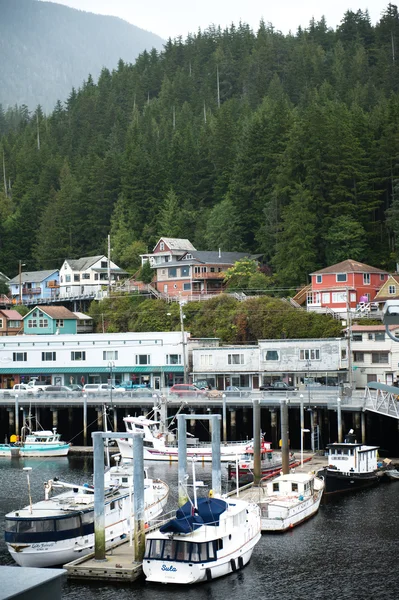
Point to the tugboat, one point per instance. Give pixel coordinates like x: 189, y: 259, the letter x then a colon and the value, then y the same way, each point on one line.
x: 351, y: 466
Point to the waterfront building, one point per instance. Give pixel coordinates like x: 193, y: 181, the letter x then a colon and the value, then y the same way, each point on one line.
x: 375, y: 355
x: 152, y: 358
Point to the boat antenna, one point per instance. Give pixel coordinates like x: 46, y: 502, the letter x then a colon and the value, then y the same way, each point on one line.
x: 28, y: 469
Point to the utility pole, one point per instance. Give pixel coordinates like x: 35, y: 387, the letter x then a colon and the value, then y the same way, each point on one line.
x: 184, y: 343
x: 349, y: 317
x: 21, y: 264
x: 109, y: 266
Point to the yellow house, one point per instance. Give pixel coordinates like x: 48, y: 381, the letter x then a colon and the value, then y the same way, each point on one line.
x: 389, y: 290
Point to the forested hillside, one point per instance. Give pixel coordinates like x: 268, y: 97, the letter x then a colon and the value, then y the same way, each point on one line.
x: 46, y: 49
x: 256, y: 141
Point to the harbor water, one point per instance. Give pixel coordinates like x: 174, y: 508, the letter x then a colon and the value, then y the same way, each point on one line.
x: 349, y: 550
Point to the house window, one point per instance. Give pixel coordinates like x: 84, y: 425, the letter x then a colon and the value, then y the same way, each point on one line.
x: 206, y: 360
x: 32, y: 323
x: 382, y: 277
x: 167, y: 258
x: 162, y: 246
x: 271, y: 355
x: 357, y: 337
x: 235, y: 359
x: 78, y: 355
x: 49, y: 356
x: 343, y: 354
x: 212, y: 269
x: 309, y: 354
x: 379, y: 357
x: 171, y: 359
x: 85, y: 275
x: 14, y: 324
x: 358, y: 356
x: 276, y: 487
x: 67, y: 278
x: 1, y: 323
x: 325, y: 297
x: 392, y: 289
x: 184, y: 271
x: 203, y: 269
x: 172, y: 272
x: 95, y: 276
x: 59, y: 322
x: 370, y: 336
x: 196, y: 270
x: 338, y: 297
x: 341, y: 277
x: 188, y: 256
x: 104, y: 264
x: 379, y: 336
x: 319, y: 278
x: 163, y: 271
x: 366, y: 278
x: 187, y: 286
x: 61, y: 279
x: 76, y: 277
x: 143, y: 359
x: 43, y: 323
x: 20, y: 356
x: 110, y: 354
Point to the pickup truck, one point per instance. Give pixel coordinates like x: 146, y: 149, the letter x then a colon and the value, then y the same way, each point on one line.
x: 278, y: 386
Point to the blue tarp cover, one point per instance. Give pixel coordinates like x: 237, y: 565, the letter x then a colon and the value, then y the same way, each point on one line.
x: 209, y: 509
x: 184, y: 525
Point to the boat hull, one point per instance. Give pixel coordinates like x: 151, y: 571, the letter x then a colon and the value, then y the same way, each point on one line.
x: 295, y: 516
x: 170, y: 454
x: 29, y: 450
x: 190, y: 573
x: 342, y: 483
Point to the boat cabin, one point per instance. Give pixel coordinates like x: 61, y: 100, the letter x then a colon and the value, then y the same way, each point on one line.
x: 291, y: 484
x: 351, y: 457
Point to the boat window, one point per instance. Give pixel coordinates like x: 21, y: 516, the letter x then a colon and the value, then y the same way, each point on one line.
x: 34, y: 526
x: 87, y: 517
x: 196, y: 553
x: 211, y: 551
x: 67, y: 523
x: 294, y: 487
x: 183, y: 551
x: 219, y: 544
x: 148, y: 443
x: 11, y: 526
x: 169, y: 550
x: 276, y: 487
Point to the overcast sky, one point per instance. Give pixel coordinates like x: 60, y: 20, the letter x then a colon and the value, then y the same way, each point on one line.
x: 171, y: 18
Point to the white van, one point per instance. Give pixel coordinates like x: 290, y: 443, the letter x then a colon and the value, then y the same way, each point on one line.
x: 101, y: 388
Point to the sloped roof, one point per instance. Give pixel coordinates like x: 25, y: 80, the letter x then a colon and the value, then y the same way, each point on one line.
x: 11, y: 315
x: 349, y: 266
x: 176, y: 243
x: 55, y: 312
x: 224, y: 257
x: 373, y: 327
x: 81, y: 264
x: 382, y: 293
x: 3, y: 277
x: 33, y: 276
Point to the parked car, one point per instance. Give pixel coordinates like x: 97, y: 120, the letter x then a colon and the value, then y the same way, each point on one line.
x: 203, y: 384
x: 76, y: 387
x: 144, y: 392
x: 278, y: 386
x: 129, y: 385
x: 101, y: 388
x: 29, y: 388
x: 187, y: 389
x: 59, y: 390
x: 231, y: 391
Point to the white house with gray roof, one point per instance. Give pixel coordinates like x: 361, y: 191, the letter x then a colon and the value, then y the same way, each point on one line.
x: 87, y: 276
x: 180, y: 269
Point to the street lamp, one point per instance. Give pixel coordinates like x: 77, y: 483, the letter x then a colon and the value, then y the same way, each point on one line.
x: 111, y: 366
x: 184, y: 343
x: 302, y: 432
x: 308, y: 365
x: 224, y: 419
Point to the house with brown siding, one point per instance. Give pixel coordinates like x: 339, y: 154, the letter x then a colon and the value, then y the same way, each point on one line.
x: 10, y: 322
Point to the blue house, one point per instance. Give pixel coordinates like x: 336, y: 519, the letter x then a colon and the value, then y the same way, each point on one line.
x: 50, y: 319
x: 30, y: 286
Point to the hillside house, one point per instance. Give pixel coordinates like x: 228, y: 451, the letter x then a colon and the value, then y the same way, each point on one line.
x: 87, y: 276
x: 50, y: 319
x: 375, y: 357
x: 180, y: 269
x: 31, y: 286
x: 10, y: 322
x: 348, y: 285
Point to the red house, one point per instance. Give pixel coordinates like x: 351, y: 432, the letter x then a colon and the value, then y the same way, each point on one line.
x: 346, y: 285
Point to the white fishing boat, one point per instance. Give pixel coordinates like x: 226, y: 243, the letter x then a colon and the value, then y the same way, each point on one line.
x: 207, y: 539
x: 60, y: 528
x: 42, y: 443
x: 161, y: 445
x: 287, y: 500
x: 270, y: 461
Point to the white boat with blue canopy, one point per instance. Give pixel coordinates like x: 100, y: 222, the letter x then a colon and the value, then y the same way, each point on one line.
x: 206, y: 540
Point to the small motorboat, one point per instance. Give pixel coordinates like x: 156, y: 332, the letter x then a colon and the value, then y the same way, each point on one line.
x: 271, y: 463
x: 43, y: 443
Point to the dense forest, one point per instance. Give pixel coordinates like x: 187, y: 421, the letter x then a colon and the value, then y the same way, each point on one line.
x: 285, y: 145
x: 46, y: 49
